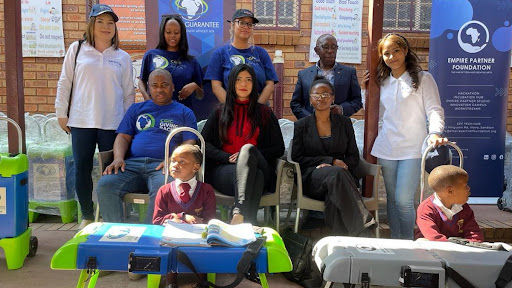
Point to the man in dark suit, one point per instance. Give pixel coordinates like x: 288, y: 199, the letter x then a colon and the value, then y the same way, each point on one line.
x: 344, y: 79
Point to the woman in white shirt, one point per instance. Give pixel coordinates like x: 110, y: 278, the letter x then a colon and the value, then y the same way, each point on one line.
x: 408, y: 97
x: 94, y: 91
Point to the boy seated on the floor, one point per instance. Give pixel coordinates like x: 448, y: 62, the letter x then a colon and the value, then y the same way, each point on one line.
x: 185, y: 200
x: 446, y: 214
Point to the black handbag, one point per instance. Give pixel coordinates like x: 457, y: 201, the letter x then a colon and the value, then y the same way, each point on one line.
x: 304, y: 271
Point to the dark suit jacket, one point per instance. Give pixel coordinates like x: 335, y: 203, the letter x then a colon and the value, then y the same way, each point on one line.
x: 346, y: 89
x: 309, y: 152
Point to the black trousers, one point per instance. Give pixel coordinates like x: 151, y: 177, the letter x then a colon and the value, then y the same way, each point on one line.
x: 246, y: 180
x: 345, y: 212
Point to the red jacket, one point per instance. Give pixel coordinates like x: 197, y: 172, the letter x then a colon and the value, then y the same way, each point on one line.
x: 433, y: 224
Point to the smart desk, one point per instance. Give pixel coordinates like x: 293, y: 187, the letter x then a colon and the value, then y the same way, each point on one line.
x: 136, y: 247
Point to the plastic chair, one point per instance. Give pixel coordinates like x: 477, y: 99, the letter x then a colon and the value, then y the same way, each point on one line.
x: 358, y: 126
x: 287, y: 129
x: 200, y: 125
x: 142, y: 199
x: 363, y: 169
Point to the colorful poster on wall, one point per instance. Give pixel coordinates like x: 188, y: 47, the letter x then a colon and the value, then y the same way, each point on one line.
x: 132, y: 22
x: 470, y: 60
x: 343, y: 20
x: 41, y: 28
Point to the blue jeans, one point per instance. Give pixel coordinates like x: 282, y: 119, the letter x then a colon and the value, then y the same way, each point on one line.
x: 139, y: 176
x: 401, y: 178
x: 83, y: 142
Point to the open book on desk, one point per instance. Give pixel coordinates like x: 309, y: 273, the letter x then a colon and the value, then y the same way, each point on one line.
x: 215, y: 232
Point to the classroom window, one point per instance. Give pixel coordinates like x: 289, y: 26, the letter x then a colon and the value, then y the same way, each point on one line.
x: 277, y: 13
x: 407, y: 15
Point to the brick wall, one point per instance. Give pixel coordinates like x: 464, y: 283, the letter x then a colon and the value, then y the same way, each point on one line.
x: 41, y: 74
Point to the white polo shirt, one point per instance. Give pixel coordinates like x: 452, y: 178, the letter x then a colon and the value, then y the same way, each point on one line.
x: 103, y: 87
x: 404, y: 112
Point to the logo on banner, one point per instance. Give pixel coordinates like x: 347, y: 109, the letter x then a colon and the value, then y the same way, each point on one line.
x: 473, y: 36
x: 190, y: 9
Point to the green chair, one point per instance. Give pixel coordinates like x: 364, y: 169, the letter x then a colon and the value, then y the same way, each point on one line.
x: 66, y: 208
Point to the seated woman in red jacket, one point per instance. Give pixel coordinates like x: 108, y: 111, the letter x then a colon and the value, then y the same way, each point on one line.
x: 243, y: 141
x: 446, y: 214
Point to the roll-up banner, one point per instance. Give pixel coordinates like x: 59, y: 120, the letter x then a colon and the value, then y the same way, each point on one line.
x: 470, y: 42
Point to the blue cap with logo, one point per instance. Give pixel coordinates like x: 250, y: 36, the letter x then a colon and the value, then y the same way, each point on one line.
x: 240, y: 13
x: 98, y: 9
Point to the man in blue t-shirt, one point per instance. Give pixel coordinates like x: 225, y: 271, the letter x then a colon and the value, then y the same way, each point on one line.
x: 139, y: 147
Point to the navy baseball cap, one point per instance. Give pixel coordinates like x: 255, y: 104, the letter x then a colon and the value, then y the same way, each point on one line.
x: 240, y: 13
x: 98, y: 9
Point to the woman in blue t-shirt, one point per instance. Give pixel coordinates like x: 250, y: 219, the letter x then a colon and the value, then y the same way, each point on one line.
x: 241, y: 51
x: 172, y: 55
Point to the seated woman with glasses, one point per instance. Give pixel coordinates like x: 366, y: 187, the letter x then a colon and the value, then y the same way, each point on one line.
x: 241, y: 51
x: 325, y: 147
x: 172, y: 55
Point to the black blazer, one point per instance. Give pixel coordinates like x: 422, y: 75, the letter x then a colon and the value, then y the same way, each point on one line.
x: 346, y: 89
x: 309, y: 151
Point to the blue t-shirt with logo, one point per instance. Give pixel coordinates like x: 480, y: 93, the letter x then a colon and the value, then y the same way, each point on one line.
x: 149, y: 124
x: 183, y: 71
x: 226, y: 57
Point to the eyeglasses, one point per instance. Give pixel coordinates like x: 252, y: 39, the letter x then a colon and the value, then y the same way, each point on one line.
x: 331, y: 47
x: 244, y: 24
x: 322, y: 96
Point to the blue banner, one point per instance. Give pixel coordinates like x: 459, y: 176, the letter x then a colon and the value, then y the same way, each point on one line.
x: 207, y: 29
x: 470, y: 42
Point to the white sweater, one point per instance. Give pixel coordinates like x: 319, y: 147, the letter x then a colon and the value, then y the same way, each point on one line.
x: 103, y: 87
x: 404, y: 114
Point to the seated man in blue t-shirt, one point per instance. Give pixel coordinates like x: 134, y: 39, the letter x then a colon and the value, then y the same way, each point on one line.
x: 139, y: 147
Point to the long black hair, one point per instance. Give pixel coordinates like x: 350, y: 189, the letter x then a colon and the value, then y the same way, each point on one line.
x: 227, y: 112
x: 183, y: 45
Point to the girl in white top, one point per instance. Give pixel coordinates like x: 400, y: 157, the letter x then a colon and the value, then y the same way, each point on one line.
x: 408, y: 97
x: 102, y: 89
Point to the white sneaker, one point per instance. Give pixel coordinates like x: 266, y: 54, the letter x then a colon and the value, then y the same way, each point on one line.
x: 84, y: 223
